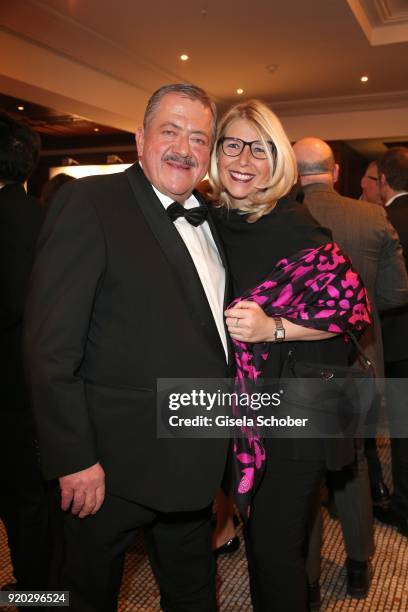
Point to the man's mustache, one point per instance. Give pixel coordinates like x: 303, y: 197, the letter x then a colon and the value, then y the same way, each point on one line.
x: 179, y: 159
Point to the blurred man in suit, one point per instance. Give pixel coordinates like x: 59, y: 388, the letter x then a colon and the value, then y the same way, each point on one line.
x: 371, y: 193
x: 129, y: 287
x: 22, y: 497
x: 393, y: 173
x: 362, y: 230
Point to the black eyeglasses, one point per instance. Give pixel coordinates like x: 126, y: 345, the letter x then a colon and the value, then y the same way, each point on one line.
x: 234, y: 147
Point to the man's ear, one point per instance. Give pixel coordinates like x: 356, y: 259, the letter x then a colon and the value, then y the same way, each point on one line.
x: 381, y: 179
x: 139, y: 141
x: 336, y: 172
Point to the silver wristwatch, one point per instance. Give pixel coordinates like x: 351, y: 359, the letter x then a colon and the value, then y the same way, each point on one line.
x: 279, y: 335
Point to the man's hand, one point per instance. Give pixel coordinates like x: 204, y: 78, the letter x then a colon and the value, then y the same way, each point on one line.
x: 247, y: 322
x: 85, y: 490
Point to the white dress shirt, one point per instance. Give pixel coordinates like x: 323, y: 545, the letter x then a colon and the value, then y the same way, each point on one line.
x: 207, y: 260
x: 397, y: 195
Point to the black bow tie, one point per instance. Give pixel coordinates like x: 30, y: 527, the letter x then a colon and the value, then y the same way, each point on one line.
x: 195, y: 216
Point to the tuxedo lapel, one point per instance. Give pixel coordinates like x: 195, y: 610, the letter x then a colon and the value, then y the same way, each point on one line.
x: 176, y: 253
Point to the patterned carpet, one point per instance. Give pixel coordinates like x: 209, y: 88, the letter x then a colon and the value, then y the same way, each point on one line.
x: 388, y: 593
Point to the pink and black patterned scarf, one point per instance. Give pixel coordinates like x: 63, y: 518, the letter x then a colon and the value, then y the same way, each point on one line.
x: 316, y: 288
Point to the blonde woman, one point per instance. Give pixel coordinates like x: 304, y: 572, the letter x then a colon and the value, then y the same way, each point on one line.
x: 269, y: 234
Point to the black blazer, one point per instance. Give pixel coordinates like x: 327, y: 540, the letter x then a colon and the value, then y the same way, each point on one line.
x: 395, y: 322
x: 20, y: 221
x: 115, y: 304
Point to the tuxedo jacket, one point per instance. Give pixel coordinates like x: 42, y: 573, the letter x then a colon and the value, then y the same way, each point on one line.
x: 20, y: 221
x: 395, y: 322
x: 364, y: 233
x: 116, y: 303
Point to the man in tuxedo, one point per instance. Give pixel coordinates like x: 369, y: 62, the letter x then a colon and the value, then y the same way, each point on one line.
x: 127, y: 290
x: 393, y: 176
x: 363, y: 231
x: 23, y: 507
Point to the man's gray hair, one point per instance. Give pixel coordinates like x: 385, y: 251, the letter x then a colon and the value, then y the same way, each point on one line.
x: 192, y: 92
x: 321, y: 166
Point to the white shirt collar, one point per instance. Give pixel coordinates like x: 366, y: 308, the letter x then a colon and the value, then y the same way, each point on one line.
x: 191, y: 202
x: 397, y: 195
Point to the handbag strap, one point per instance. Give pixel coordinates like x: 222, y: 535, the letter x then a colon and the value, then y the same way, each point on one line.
x: 366, y: 362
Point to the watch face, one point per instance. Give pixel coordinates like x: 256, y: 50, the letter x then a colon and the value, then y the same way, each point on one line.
x: 280, y: 334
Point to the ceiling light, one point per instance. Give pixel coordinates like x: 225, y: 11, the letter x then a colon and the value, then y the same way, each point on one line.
x: 240, y: 91
x: 184, y: 57
x: 364, y: 79
x: 272, y: 67
x: 20, y: 108
x: 96, y: 129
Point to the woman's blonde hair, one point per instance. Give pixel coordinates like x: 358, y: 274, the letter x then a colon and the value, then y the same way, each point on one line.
x: 282, y: 161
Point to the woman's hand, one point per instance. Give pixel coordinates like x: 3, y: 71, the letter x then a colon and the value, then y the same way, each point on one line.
x: 247, y: 322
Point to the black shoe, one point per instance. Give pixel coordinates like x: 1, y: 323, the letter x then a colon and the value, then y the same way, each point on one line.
x: 359, y: 575
x: 389, y: 517
x: 314, y: 596
x: 379, y: 492
x: 228, y: 548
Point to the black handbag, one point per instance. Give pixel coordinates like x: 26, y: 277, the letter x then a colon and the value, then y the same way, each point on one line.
x: 333, y: 399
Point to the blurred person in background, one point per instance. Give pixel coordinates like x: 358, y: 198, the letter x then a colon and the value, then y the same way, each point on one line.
x: 363, y: 231
x: 22, y: 498
x: 393, y: 181
x: 369, y: 184
x: 380, y: 493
